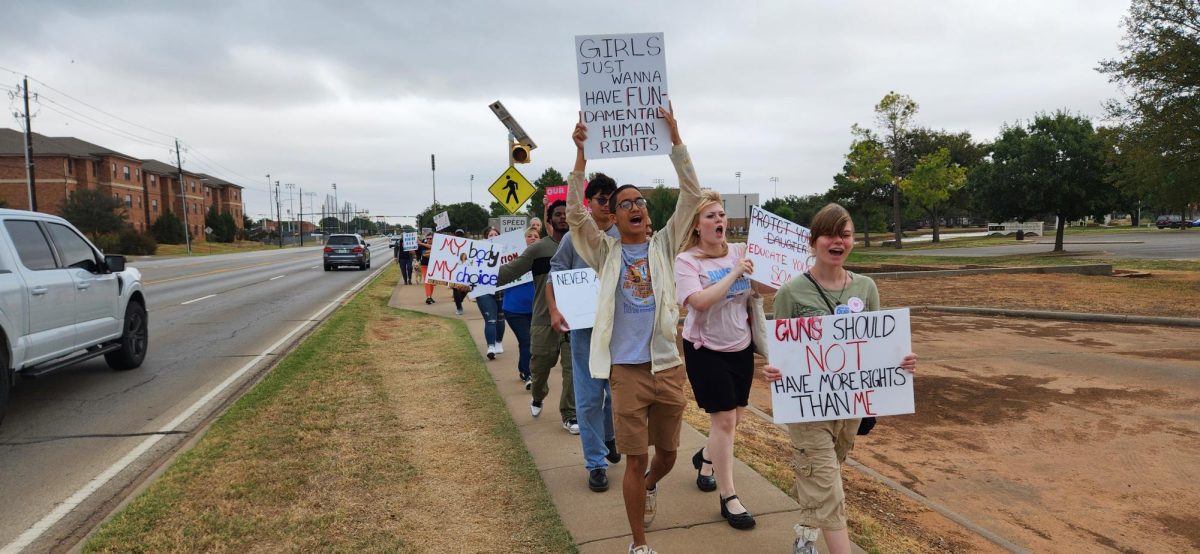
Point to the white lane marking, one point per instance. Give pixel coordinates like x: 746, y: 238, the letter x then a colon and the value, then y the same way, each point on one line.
x: 314, y: 267
x: 277, y: 277
x: 196, y: 300
x: 36, y: 530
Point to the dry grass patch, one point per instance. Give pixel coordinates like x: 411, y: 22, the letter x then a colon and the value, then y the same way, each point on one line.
x: 364, y: 439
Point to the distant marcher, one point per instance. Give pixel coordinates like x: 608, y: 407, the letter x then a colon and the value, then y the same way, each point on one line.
x: 489, y: 308
x: 819, y: 448
x: 518, y: 311
x: 425, y: 247
x: 633, y: 339
x: 536, y: 223
x: 712, y: 281
x: 549, y: 345
x: 459, y: 291
x: 405, y: 259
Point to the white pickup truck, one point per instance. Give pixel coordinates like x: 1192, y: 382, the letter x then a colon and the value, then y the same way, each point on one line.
x: 62, y: 301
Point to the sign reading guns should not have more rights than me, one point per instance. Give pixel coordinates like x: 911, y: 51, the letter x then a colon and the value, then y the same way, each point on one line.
x: 841, y: 366
x: 622, y: 83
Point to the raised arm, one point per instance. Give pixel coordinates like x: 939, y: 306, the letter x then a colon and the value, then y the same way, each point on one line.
x: 689, y: 185
x: 586, y: 236
x: 513, y: 270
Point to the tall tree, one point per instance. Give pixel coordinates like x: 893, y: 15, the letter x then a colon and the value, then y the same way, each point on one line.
x: 94, y: 212
x: 537, y: 205
x: 864, y: 182
x: 894, y: 115
x: 167, y: 229
x: 1053, y: 165
x: 930, y: 184
x: 1159, y: 73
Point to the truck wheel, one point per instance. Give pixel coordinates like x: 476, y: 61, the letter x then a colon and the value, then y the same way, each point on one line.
x: 134, y: 340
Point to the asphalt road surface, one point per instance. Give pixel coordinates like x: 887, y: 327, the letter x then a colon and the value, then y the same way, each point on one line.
x: 210, y: 318
x: 1165, y: 244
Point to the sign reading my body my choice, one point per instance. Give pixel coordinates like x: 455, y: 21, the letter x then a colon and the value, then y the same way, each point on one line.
x: 622, y: 83
x: 457, y: 260
x: 841, y: 366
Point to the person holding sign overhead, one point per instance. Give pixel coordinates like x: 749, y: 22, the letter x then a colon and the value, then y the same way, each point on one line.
x: 633, y: 338
x: 712, y: 281
x: 819, y: 448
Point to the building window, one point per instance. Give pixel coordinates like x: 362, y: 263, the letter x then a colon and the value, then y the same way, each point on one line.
x: 70, y: 167
x: 125, y: 172
x: 114, y: 170
x: 154, y: 205
x: 95, y: 169
x: 193, y: 186
x: 139, y: 201
x: 138, y: 172
x: 154, y: 179
x: 128, y: 201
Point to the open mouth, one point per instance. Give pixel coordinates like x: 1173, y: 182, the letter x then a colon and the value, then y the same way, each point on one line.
x: 836, y: 251
x: 720, y: 230
x: 636, y: 219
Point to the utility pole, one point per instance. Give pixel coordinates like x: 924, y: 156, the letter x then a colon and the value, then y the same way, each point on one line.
x: 432, y: 171
x: 278, y: 211
x: 269, y: 197
x: 775, y: 180
x: 311, y: 211
x: 291, y: 187
x: 336, y: 208
x: 472, y: 188
x: 301, y: 216
x: 187, y: 237
x: 29, y: 168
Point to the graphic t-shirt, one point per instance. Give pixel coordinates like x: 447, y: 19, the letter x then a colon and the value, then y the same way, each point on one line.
x: 724, y: 326
x: 633, y: 320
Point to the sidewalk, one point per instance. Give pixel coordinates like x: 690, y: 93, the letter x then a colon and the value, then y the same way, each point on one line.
x: 688, y: 520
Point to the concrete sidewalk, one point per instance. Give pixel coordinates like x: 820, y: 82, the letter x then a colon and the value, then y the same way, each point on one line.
x: 688, y: 520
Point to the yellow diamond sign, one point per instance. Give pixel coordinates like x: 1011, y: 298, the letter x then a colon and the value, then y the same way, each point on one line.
x: 512, y: 189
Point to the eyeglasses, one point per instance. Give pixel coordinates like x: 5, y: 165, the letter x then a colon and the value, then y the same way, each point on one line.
x: 629, y: 204
x: 601, y: 199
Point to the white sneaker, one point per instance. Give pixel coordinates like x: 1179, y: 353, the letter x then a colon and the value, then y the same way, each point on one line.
x: 571, y: 426
x: 535, y: 408
x: 528, y: 384
x: 643, y: 549
x: 806, y: 540
x: 499, y: 348
x: 651, y: 506
x: 491, y: 352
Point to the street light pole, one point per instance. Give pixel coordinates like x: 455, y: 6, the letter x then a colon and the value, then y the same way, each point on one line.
x: 291, y: 187
x: 775, y: 180
x: 472, y: 188
x: 279, y: 212
x: 738, y: 174
x: 336, y: 209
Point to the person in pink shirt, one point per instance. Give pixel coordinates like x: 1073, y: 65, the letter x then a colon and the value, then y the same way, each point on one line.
x: 712, y: 281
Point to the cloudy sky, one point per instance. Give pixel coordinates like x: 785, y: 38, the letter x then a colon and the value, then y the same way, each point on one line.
x: 361, y: 93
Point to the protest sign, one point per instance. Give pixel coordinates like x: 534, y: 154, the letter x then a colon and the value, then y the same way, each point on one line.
x: 575, y: 293
x: 559, y: 192
x: 512, y: 245
x: 457, y: 260
x: 841, y: 366
x: 622, y: 83
x: 425, y: 231
x: 778, y: 247
x: 410, y: 241
x: 510, y: 223
x: 442, y: 220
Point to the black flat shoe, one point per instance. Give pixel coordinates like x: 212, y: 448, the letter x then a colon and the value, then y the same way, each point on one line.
x: 706, y: 483
x: 738, y: 521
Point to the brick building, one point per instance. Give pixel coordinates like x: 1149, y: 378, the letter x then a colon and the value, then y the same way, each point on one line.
x: 145, y: 188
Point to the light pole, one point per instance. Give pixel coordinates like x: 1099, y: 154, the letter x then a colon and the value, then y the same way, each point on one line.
x: 738, y: 174
x: 278, y: 212
x: 269, y: 196
x: 291, y: 187
x: 775, y: 181
x: 658, y: 182
x: 472, y: 188
x: 336, y: 208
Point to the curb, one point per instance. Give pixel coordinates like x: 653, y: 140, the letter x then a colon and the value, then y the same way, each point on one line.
x: 1088, y: 269
x: 1066, y: 316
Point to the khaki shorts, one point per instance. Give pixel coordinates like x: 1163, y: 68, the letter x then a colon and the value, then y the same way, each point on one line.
x: 817, y: 452
x: 647, y: 408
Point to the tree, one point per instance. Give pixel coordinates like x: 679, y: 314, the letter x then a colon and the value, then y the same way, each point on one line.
x: 167, y: 229
x: 94, y: 212
x: 223, y: 227
x: 1053, y: 165
x: 864, y: 182
x: 661, y: 205
x: 931, y: 183
x: 330, y: 224
x: 496, y: 209
x: 468, y: 216
x: 537, y: 205
x: 894, y: 115
x: 1160, y: 76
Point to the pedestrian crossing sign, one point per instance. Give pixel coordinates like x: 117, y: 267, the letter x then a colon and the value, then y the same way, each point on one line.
x: 512, y: 189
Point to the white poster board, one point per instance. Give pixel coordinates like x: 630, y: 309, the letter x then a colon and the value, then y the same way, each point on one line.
x: 509, y: 223
x: 841, y: 366
x: 409, y: 241
x: 778, y: 247
x: 622, y: 83
x: 442, y: 220
x: 512, y: 245
x: 458, y: 260
x: 575, y: 292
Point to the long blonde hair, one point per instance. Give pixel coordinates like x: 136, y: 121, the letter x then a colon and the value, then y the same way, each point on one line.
x: 707, y: 198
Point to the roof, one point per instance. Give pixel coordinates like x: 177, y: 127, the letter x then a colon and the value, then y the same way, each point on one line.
x: 217, y: 181
x: 12, y: 143
x: 160, y: 168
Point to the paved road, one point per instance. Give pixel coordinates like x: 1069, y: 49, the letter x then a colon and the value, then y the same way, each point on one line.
x: 1150, y: 245
x: 209, y: 317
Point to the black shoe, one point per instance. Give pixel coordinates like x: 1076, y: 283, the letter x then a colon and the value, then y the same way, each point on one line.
x: 598, y: 480
x: 706, y: 483
x: 428, y: 300
x: 613, y: 456
x: 738, y: 521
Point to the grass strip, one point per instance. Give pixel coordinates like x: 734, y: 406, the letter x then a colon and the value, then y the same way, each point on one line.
x: 382, y: 431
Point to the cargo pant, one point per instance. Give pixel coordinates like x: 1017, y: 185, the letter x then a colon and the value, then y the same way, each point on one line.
x: 549, y: 347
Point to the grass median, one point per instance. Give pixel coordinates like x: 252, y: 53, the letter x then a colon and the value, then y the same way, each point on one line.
x: 382, y: 431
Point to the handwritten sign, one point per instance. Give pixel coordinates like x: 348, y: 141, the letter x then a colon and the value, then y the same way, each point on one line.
x: 509, y: 223
x: 409, y: 240
x: 425, y: 231
x: 556, y: 193
x: 512, y: 245
x: 840, y: 366
x: 778, y: 247
x: 457, y: 260
x: 575, y: 293
x: 442, y: 220
x: 622, y: 83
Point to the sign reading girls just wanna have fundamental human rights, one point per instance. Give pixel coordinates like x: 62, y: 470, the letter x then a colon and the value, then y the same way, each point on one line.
x: 622, y: 83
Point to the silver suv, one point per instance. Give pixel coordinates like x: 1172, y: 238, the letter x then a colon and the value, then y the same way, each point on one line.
x: 346, y: 249
x: 62, y: 301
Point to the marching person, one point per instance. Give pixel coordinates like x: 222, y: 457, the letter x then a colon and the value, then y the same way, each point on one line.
x: 518, y: 311
x: 424, y: 248
x: 593, y: 398
x: 549, y: 345
x: 712, y: 281
x: 633, y: 339
x: 459, y: 291
x: 489, y: 308
x: 405, y: 259
x: 819, y: 448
